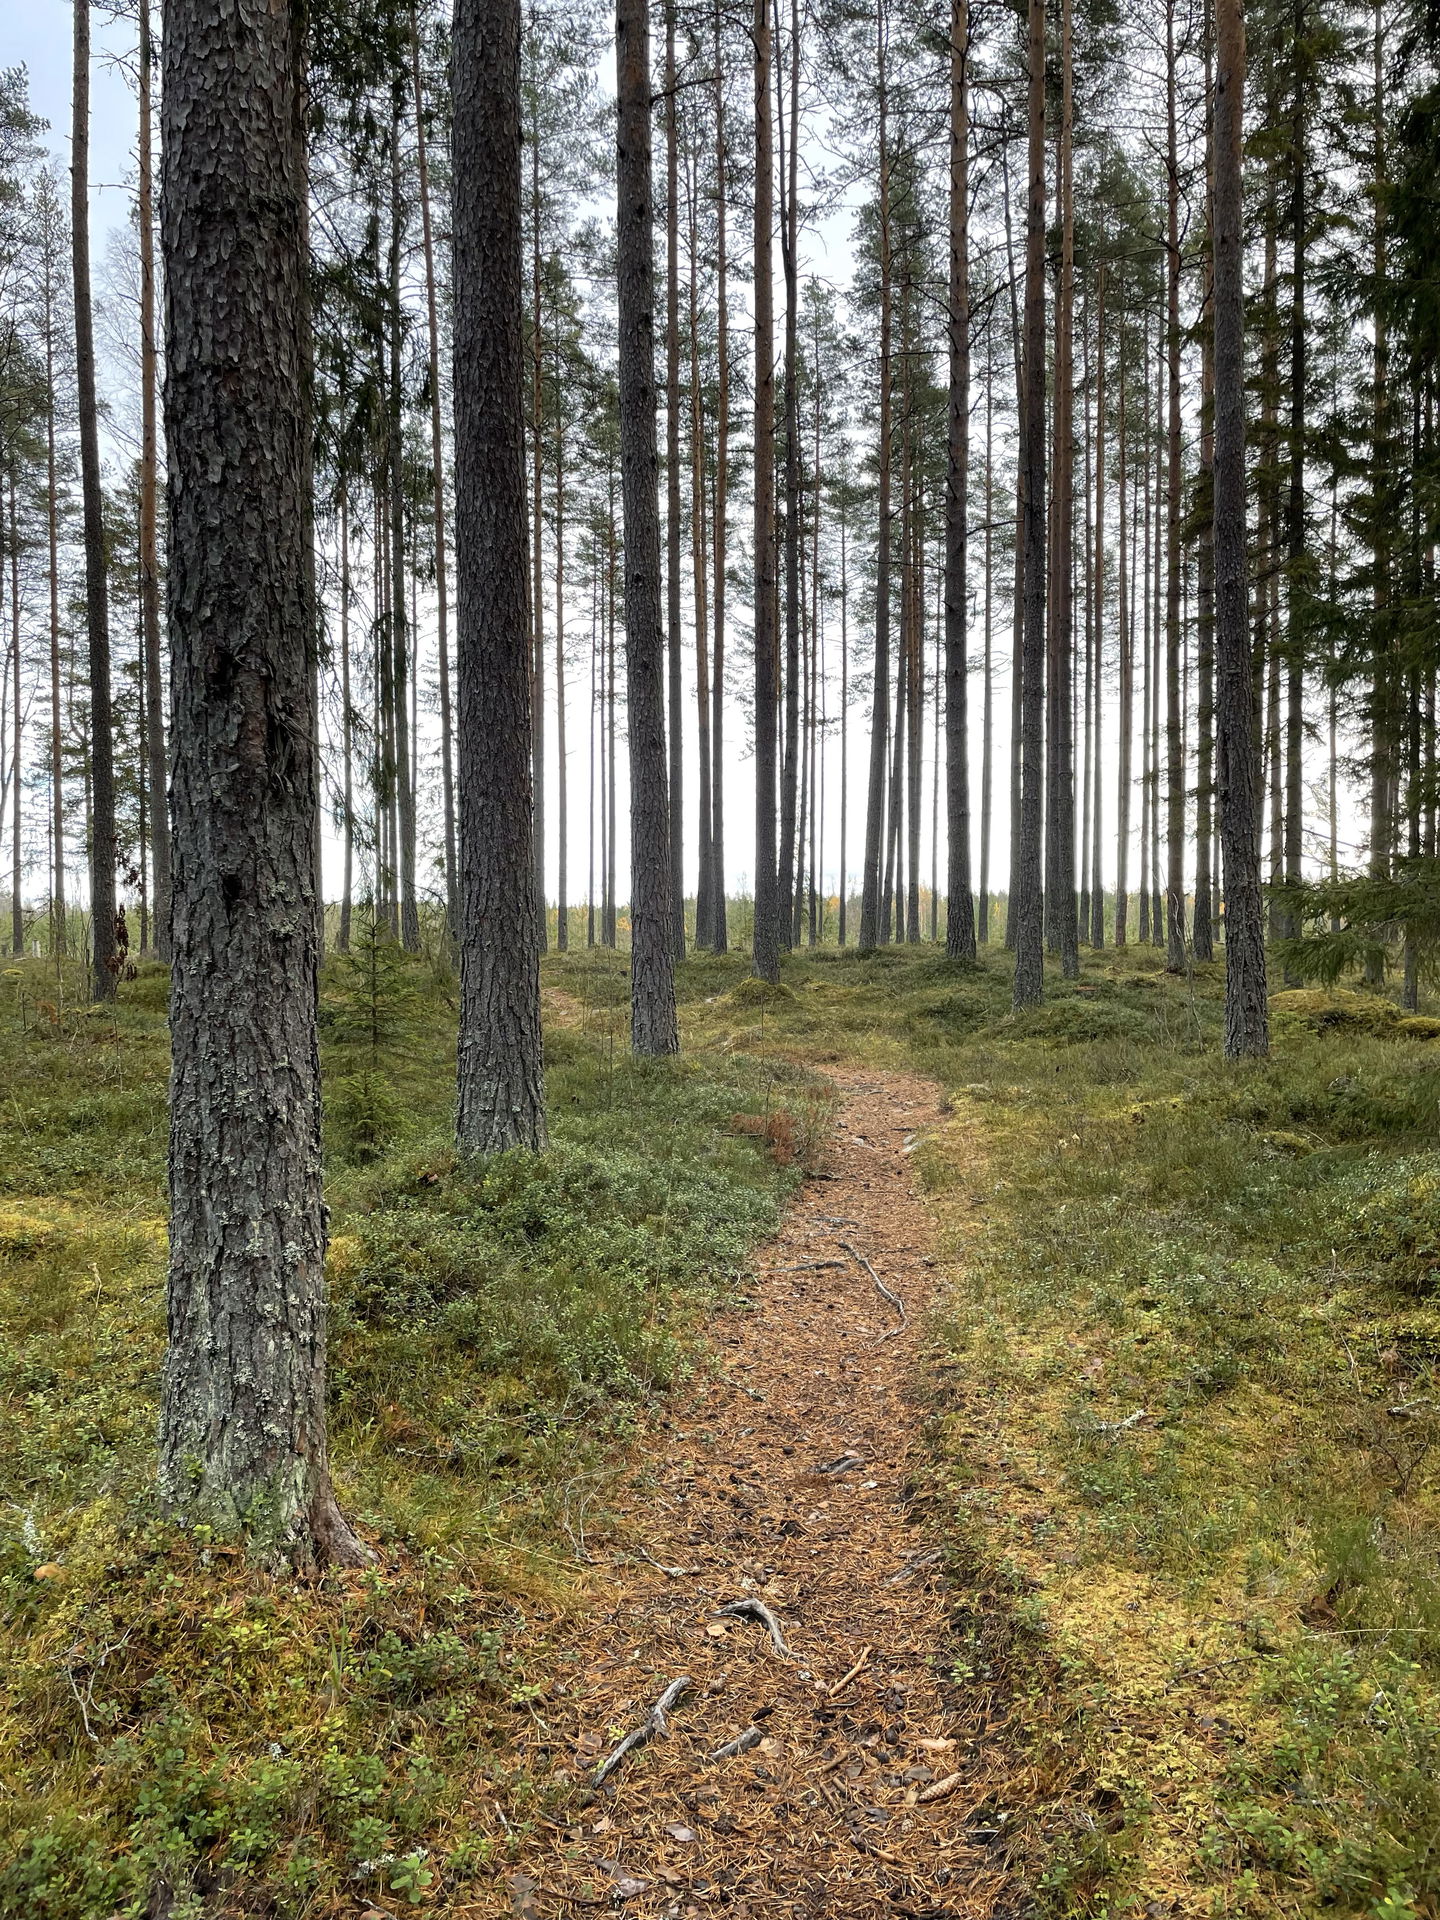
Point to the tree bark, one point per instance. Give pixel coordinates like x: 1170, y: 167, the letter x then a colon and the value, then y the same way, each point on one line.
x: 242, y: 1432
x: 1028, y: 907
x: 399, y: 633
x: 959, y: 900
x: 1246, y: 1019
x: 103, y: 959
x: 1126, y: 720
x: 1060, y: 661
x: 149, y: 556
x: 791, y: 677
x: 59, y: 931
x: 437, y: 491
x: 1203, y: 937
x: 501, y: 1082
x: 674, y: 637
x: 1174, y: 754
x: 870, y: 885
x: 719, y: 933
x: 653, y: 1028
x: 766, y: 951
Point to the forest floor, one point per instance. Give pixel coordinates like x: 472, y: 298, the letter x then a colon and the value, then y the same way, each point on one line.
x: 1166, y: 1411
x: 792, y: 1476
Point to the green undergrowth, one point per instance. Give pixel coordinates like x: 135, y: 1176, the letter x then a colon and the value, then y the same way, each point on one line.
x: 1188, y: 1412
x: 1188, y: 1403
x: 181, y: 1733
x: 1186, y: 1421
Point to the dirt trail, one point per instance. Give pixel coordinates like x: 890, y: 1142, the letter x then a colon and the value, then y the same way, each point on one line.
x: 825, y: 1812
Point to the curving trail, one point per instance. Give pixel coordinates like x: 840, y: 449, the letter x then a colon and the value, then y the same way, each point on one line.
x: 866, y: 1780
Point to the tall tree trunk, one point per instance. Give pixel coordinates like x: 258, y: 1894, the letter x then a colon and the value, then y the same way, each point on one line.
x: 1097, y: 883
x: 987, y: 735
x: 399, y: 623
x: 960, y: 904
x: 1174, y: 754
x: 437, y: 491
x: 844, y: 901
x: 1204, y: 931
x: 1296, y: 569
x: 17, y: 722
x: 612, y: 817
x: 1060, y: 664
x: 562, y: 783
x: 705, y: 880
x: 537, y: 525
x: 766, y: 951
x: 347, y: 730
x: 149, y: 556
x: 653, y: 1028
x: 1246, y: 1021
x: 242, y: 1428
x: 1124, y: 774
x: 59, y: 933
x: 500, y: 1071
x: 870, y: 884
x: 789, y: 181
x: 1147, y: 649
x: 674, y: 636
x: 1028, y: 907
x: 1383, y: 699
x: 719, y: 934
x: 103, y: 959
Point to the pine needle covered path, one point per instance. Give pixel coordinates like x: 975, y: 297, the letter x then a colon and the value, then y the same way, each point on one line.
x: 820, y: 1760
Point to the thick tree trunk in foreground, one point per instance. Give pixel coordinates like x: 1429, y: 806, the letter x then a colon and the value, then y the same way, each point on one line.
x: 1027, y: 905
x: 242, y: 1437
x: 1246, y: 1019
x: 653, y: 1028
x: 97, y: 608
x: 501, y: 1082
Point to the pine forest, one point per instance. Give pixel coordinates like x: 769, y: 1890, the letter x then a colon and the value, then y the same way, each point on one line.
x: 720, y: 1004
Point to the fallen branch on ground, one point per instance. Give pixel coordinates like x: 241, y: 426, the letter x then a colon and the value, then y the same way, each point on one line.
x: 742, y: 1743
x: 671, y: 1573
x: 844, y: 1463
x: 885, y: 1292
x: 757, y: 1610
x: 1120, y: 1426
x: 653, y: 1723
x: 846, y: 1678
x: 913, y: 1563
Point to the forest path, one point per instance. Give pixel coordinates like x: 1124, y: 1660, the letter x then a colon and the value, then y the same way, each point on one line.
x: 825, y: 1811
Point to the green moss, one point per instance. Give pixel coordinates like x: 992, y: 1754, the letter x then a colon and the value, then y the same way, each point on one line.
x: 173, y: 1720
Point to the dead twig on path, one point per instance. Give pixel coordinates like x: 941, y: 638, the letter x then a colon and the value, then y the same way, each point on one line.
x: 671, y: 1573
x: 653, y: 1723
x: 886, y: 1293
x: 846, y: 1678
x: 742, y: 1743
x: 757, y: 1610
x: 843, y: 1463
